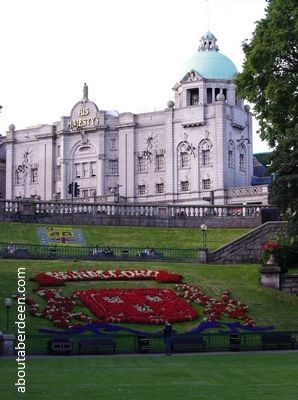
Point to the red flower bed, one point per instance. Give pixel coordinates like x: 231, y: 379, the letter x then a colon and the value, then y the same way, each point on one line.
x: 215, y: 309
x: 58, y: 278
x: 144, y: 306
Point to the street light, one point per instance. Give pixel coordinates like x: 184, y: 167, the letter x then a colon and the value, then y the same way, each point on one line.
x: 7, y: 303
x: 204, y: 234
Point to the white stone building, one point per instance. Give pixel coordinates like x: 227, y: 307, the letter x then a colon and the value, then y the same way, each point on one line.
x: 196, y: 151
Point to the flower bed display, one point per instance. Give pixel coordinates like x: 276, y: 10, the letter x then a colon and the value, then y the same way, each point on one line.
x: 144, y: 306
x: 133, y: 305
x: 58, y: 278
x: 215, y: 309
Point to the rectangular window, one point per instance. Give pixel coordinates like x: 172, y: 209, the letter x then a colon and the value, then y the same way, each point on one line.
x: 160, y: 162
x: 85, y: 170
x: 141, y: 164
x: 209, y: 95
x: 93, y: 168
x: 224, y: 91
x: 184, y: 160
x: 206, y: 157
x: 85, y: 193
x: 77, y: 170
x: 217, y: 91
x: 206, y: 184
x: 231, y: 158
x: 142, y: 190
x: 18, y: 177
x: 193, y: 97
x: 242, y: 162
x: 184, y: 186
x: 34, y: 175
x: 113, y: 167
x: 58, y: 173
x: 113, y: 144
x: 160, y: 188
x: 58, y: 150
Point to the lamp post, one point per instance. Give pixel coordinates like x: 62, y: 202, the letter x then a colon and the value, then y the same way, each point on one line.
x: 204, y: 234
x: 7, y: 303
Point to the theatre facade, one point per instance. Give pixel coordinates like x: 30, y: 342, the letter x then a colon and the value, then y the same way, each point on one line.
x: 198, y: 150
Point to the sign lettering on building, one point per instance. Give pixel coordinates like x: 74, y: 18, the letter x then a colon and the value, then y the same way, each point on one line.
x: 84, y: 120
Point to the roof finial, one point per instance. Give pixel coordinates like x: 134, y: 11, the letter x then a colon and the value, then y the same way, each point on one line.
x: 85, y: 92
x: 208, y: 42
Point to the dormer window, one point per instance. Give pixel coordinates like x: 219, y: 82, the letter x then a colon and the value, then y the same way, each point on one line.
x: 193, y: 97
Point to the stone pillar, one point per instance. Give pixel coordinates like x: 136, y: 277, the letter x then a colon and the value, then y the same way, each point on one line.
x: 64, y: 182
x: 7, y: 345
x: 171, y: 180
x: 126, y: 161
x: 270, y: 276
x: 203, y: 255
x: 10, y: 190
x: 101, y: 175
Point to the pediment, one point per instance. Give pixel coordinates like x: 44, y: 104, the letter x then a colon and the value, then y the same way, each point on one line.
x: 191, y: 76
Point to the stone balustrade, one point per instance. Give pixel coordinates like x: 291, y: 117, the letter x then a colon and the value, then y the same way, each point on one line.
x: 136, y: 210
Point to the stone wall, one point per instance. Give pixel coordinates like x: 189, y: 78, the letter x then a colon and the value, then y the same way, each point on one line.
x: 175, y: 222
x: 248, y: 247
x: 289, y: 283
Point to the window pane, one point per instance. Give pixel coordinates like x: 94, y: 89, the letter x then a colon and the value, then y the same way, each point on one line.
x: 184, y: 186
x: 159, y: 188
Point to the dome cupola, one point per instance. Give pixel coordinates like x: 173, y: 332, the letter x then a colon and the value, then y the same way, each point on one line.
x: 209, y: 62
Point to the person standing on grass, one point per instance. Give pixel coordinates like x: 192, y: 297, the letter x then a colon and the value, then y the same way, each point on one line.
x: 167, y: 334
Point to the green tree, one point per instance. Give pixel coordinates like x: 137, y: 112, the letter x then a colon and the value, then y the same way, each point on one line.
x: 270, y: 81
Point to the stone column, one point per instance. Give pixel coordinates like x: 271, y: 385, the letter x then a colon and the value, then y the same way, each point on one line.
x: 270, y: 276
x: 10, y: 191
x: 171, y: 186
x: 101, y: 175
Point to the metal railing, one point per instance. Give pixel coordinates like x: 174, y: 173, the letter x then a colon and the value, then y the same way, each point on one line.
x: 34, y: 251
x: 154, y: 343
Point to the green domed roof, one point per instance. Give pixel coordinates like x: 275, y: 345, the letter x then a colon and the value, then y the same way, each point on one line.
x: 209, y: 63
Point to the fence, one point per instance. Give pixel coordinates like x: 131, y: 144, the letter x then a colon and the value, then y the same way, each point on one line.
x: 32, y: 251
x: 154, y: 343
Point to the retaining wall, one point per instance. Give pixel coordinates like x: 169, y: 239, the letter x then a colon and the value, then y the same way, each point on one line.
x: 247, y: 248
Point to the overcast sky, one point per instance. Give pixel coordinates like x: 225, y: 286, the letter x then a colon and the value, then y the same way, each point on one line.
x: 129, y: 52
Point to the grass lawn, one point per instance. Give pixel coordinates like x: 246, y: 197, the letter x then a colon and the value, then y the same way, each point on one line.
x: 248, y: 376
x: 266, y: 306
x: 123, y: 236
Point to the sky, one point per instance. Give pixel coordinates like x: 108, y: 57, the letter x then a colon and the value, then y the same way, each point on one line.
x: 129, y: 52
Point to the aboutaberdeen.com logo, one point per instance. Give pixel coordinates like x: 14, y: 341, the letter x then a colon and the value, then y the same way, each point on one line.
x: 20, y: 345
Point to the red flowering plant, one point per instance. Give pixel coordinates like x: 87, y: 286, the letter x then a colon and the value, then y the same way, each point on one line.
x: 58, y: 278
x: 271, y: 247
x: 143, y: 306
x: 215, y: 309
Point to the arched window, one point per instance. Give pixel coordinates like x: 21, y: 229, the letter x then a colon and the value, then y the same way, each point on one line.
x: 231, y: 154
x: 242, y: 157
x: 185, y: 150
x: 205, y: 152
